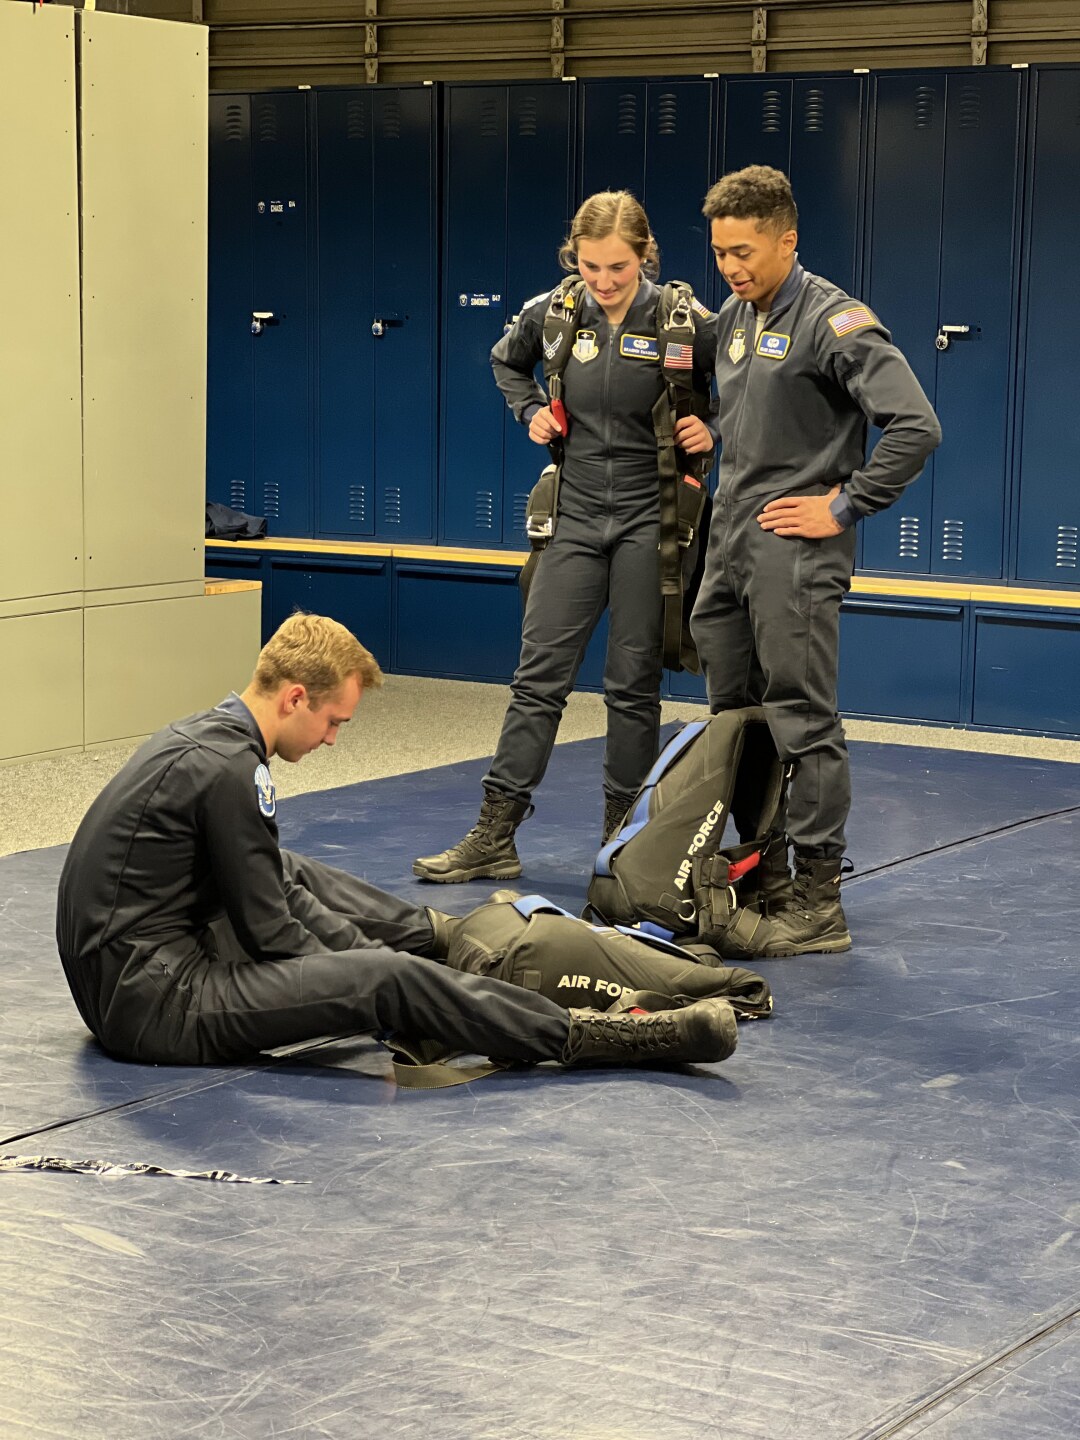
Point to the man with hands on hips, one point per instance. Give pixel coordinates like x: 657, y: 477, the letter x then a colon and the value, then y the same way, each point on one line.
x: 801, y: 369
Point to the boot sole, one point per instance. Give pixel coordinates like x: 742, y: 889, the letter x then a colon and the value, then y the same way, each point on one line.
x: 501, y: 870
x: 826, y: 946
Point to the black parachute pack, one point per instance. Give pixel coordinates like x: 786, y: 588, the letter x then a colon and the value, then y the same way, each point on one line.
x: 667, y: 867
x: 528, y: 941
x: 684, y: 495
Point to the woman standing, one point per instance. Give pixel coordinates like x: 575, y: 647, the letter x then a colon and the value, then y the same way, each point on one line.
x: 604, y: 551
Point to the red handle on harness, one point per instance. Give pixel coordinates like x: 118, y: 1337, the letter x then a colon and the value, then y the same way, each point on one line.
x: 741, y: 867
x: 558, y: 411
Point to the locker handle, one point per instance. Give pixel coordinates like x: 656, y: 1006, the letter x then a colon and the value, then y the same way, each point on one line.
x: 261, y: 318
x: 495, y: 574
x: 900, y: 607
x: 948, y: 333
x: 382, y: 323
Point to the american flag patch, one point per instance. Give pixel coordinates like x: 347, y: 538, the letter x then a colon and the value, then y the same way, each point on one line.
x: 854, y: 318
x: 679, y: 357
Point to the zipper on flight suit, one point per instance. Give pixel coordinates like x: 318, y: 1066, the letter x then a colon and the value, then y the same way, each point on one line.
x: 750, y: 330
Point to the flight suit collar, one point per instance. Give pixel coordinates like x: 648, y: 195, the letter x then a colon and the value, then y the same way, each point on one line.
x: 643, y: 300
x: 233, y: 705
x: 785, y: 296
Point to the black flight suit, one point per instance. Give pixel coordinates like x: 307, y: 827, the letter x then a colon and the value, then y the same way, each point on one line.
x: 189, y: 937
x: 794, y: 406
x: 605, y: 549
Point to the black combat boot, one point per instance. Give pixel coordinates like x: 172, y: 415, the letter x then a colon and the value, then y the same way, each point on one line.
x: 614, y: 815
x: 768, y: 887
x: 813, y: 921
x: 488, y: 850
x: 701, y: 1033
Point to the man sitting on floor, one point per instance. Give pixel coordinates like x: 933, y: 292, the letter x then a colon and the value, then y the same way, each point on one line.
x: 189, y: 937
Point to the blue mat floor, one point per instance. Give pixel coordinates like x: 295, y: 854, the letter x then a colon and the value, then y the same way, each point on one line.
x: 864, y: 1224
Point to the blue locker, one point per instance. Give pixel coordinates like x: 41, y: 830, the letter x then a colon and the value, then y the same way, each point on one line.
x: 374, y: 202
x: 405, y: 242
x: 942, y: 253
x: 539, y: 208
x: 655, y: 138
x: 475, y: 271
x: 678, y: 171
x: 812, y: 129
x: 230, y: 375
x: 507, y: 192
x: 355, y: 592
x: 757, y: 124
x: 904, y: 260
x: 974, y: 376
x: 612, y: 125
x: 460, y: 622
x: 901, y: 659
x: 1026, y: 668
x: 282, y: 391
x: 1048, y: 529
x: 345, y: 404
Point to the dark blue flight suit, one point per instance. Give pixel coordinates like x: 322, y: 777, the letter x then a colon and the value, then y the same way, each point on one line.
x: 605, y: 549
x: 189, y: 937
x: 793, y: 411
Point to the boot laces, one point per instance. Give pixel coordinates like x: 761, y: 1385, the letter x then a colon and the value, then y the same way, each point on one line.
x: 651, y: 1032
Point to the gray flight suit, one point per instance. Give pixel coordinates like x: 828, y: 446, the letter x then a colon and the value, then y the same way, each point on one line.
x: 605, y: 549
x: 793, y: 412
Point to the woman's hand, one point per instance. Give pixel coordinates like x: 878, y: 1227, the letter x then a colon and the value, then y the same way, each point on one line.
x: 692, y: 435
x: 542, y: 426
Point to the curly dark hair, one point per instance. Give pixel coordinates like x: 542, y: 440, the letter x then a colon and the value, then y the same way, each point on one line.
x: 757, y: 193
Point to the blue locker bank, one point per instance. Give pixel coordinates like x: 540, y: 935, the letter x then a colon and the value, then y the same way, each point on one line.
x: 370, y: 245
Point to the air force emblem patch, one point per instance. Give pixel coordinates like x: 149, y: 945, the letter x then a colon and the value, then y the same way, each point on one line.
x: 737, y: 349
x: 264, y: 788
x: 585, y: 346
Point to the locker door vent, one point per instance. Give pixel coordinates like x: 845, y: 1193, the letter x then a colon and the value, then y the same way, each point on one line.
x: 970, y: 108
x: 925, y: 104
x: 489, y: 119
x: 814, y: 112
x: 1066, y: 547
x: 668, y: 114
x: 235, y: 129
x: 628, y: 114
x: 392, y: 505
x: 521, y: 502
x: 358, y: 503
x: 485, y: 509
x: 526, y: 117
x: 952, y: 540
x: 772, y: 112
x: 266, y: 121
x: 909, y: 537
x: 271, y: 499
x: 236, y: 494
x: 391, y: 118
x: 356, y: 120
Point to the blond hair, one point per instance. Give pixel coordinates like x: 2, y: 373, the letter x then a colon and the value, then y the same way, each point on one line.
x: 316, y: 652
x: 756, y: 193
x: 612, y: 212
